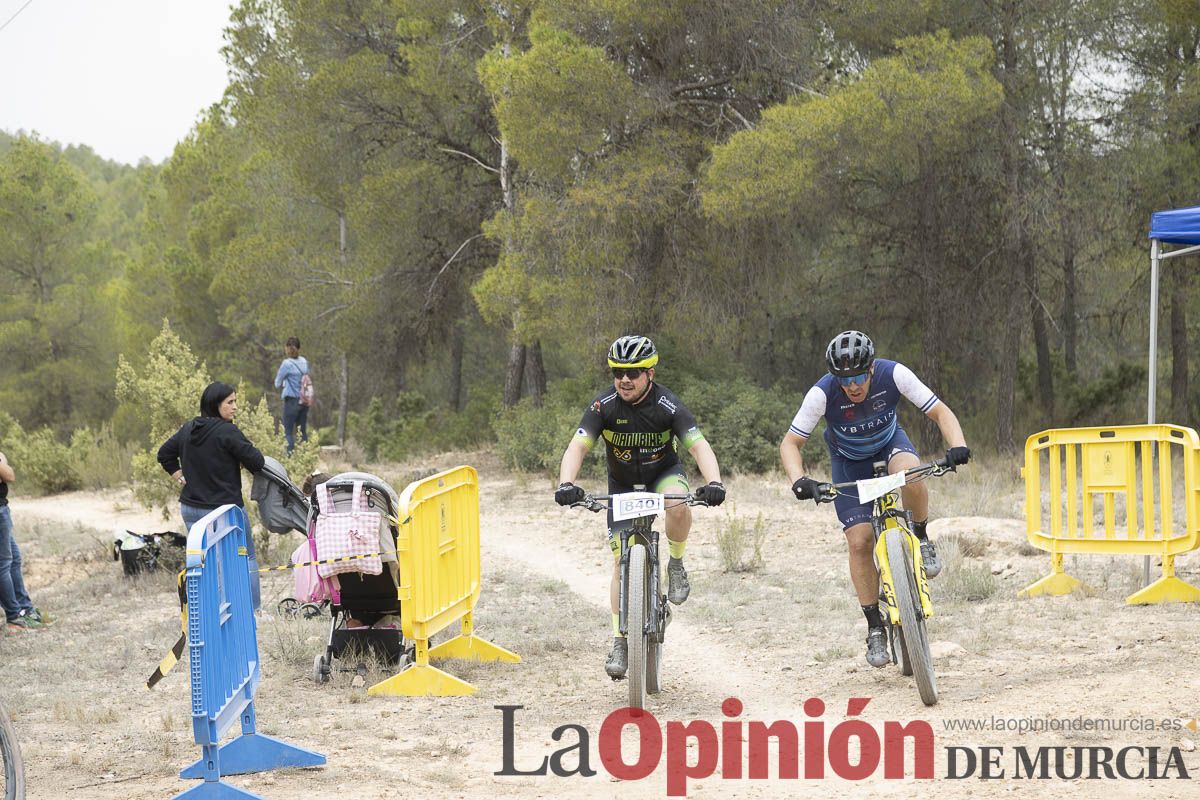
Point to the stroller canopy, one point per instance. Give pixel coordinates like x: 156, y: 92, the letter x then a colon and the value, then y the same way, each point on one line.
x: 281, y: 504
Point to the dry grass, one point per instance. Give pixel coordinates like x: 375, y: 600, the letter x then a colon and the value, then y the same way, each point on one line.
x: 962, y: 581
x: 741, y: 544
x: 987, y: 487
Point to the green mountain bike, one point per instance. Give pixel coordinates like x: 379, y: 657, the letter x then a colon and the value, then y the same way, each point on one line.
x: 905, y: 587
x: 10, y: 752
x: 644, y: 611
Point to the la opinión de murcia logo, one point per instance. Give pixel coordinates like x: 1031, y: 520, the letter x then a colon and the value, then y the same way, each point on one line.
x: 737, y: 749
x: 740, y: 749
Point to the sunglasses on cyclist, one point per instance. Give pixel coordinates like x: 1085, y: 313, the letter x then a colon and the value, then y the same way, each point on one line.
x: 854, y: 380
x: 633, y: 372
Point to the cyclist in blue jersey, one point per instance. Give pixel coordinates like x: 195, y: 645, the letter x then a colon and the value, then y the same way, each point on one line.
x: 641, y: 423
x: 858, y: 399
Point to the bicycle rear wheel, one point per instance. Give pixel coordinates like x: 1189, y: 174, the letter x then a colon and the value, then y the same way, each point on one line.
x: 912, y: 622
x: 14, y: 766
x: 638, y: 613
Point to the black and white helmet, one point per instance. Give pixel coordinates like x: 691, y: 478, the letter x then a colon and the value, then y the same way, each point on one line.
x: 850, y: 353
x: 632, y: 351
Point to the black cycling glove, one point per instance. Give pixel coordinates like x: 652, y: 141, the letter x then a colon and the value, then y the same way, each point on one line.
x: 568, y: 493
x: 713, y: 493
x: 958, y: 455
x: 805, y: 488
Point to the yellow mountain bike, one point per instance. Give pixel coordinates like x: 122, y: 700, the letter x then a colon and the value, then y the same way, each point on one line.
x: 905, y: 587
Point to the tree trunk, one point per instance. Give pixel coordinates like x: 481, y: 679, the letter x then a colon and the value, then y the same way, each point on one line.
x: 1070, y: 315
x: 516, y: 375
x: 343, y: 396
x: 1041, y: 340
x: 454, y: 396
x: 344, y: 363
x: 1013, y: 224
x: 535, y: 373
x: 1178, y: 289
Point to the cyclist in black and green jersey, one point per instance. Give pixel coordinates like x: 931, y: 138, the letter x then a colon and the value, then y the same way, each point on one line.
x: 640, y: 423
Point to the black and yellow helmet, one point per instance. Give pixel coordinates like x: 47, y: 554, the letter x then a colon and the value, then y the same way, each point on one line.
x: 632, y: 351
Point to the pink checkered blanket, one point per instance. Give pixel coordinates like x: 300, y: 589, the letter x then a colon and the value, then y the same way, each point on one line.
x: 344, y: 534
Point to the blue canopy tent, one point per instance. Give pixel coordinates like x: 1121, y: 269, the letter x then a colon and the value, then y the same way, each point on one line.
x: 1180, y: 226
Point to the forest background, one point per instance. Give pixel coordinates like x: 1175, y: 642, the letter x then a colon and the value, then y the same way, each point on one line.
x: 457, y: 205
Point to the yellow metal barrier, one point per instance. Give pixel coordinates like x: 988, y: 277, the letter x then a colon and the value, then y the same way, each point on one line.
x: 1123, y: 475
x: 438, y: 551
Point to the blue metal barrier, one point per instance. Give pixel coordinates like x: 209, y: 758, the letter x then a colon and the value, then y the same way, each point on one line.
x: 223, y: 653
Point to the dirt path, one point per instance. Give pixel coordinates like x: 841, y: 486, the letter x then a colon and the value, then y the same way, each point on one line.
x: 773, y: 639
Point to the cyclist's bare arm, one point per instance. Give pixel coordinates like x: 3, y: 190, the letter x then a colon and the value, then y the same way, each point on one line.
x: 572, y: 460
x: 948, y: 424
x: 789, y: 454
x: 706, y: 461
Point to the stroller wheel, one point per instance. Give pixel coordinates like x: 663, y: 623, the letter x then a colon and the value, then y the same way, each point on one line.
x: 288, y: 607
x: 310, y: 610
x: 320, y: 671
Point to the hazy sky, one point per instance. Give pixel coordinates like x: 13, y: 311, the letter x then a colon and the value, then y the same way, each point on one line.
x: 126, y: 77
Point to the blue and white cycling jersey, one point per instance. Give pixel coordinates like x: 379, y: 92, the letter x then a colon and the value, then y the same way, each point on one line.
x: 858, y: 431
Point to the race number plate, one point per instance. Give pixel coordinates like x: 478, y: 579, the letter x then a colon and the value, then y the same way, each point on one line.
x: 632, y: 505
x: 871, y: 488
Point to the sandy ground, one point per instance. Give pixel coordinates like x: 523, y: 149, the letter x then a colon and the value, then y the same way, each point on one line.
x: 772, y: 638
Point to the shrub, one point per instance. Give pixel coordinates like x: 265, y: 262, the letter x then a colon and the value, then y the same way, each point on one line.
x: 533, y: 439
x: 102, y: 460
x: 44, y: 462
x: 734, y: 538
x: 166, y: 393
x: 392, y: 429
x: 744, y: 423
x: 961, y: 580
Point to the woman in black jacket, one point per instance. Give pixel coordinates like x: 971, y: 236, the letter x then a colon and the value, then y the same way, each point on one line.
x: 206, y: 455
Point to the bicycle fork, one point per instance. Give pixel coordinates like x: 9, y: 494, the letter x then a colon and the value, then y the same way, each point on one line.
x: 650, y: 537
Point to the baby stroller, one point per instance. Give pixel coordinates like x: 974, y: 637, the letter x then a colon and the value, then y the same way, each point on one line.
x: 365, y: 608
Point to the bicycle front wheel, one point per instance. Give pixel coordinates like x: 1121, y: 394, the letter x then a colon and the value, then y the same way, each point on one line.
x: 14, y: 766
x: 638, y: 613
x: 902, y: 657
x: 912, y: 622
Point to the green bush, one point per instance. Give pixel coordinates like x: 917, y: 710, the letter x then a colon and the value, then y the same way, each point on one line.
x: 406, y: 425
x: 166, y: 393
x: 390, y: 429
x: 533, y: 439
x: 41, y: 461
x: 102, y: 460
x: 44, y: 462
x: 745, y: 423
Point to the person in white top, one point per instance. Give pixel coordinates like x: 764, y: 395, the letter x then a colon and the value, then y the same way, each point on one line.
x: 858, y: 399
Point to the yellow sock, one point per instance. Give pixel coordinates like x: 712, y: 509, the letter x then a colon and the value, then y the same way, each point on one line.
x: 616, y: 624
x: 676, y: 548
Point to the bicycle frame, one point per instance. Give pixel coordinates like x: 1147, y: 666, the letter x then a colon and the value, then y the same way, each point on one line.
x: 887, y: 515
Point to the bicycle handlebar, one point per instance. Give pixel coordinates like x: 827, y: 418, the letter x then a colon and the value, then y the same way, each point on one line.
x: 828, y: 492
x: 602, y: 502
